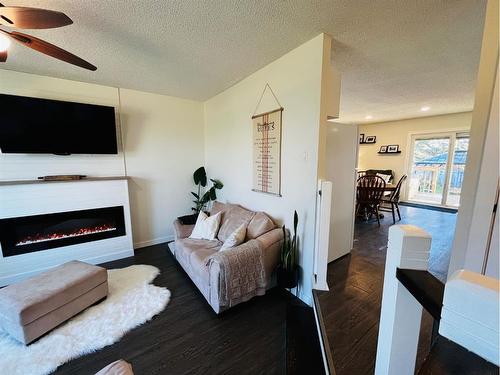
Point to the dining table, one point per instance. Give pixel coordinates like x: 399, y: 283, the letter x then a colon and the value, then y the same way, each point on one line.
x: 388, y: 188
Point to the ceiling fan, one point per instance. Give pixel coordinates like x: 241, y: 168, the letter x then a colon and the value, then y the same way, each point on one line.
x: 35, y: 18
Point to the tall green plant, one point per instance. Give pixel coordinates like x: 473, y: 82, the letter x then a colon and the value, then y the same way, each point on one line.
x: 289, y: 248
x: 200, y: 179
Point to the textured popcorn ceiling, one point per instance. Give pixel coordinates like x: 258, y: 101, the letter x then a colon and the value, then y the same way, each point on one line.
x: 395, y: 56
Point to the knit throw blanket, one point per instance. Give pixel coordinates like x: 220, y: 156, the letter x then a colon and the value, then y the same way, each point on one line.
x: 242, y: 275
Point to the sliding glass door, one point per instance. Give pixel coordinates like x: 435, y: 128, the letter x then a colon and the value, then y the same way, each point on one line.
x: 457, y: 170
x: 437, y: 167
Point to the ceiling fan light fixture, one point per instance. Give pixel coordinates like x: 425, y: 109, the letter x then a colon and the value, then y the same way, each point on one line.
x: 4, y: 43
x: 36, y: 18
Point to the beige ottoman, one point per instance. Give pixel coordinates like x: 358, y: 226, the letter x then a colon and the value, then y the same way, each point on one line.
x: 35, y: 306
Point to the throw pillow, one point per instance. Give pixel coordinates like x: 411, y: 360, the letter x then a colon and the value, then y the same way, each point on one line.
x: 206, y: 227
x: 235, y: 238
x: 385, y: 177
x: 260, y: 224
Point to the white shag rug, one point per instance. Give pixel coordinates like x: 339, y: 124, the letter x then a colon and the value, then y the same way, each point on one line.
x: 132, y: 301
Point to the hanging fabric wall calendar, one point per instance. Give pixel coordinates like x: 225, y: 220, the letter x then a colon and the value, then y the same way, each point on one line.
x: 267, y: 148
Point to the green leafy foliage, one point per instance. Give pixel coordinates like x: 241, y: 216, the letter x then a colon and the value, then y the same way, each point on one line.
x: 288, y: 255
x: 217, y: 183
x: 200, y: 179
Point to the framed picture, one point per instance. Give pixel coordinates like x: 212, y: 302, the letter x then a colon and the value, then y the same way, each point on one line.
x: 392, y: 148
x: 267, y: 152
x: 370, y: 139
x: 361, y: 138
x: 383, y: 149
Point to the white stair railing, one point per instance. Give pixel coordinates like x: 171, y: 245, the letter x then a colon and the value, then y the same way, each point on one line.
x: 408, y: 247
x: 467, y: 307
x: 470, y: 314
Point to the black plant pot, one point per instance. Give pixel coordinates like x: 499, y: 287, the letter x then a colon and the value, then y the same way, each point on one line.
x: 287, y: 278
x: 188, y: 219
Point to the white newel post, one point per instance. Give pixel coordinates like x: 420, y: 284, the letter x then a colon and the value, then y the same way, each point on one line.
x: 475, y: 323
x: 408, y: 247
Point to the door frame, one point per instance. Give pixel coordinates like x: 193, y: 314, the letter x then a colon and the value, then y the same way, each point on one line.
x: 409, y: 157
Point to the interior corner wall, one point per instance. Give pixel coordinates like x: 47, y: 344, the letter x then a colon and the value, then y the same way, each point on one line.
x: 295, y: 78
x: 163, y: 141
x: 162, y: 146
x: 466, y: 252
x: 399, y: 133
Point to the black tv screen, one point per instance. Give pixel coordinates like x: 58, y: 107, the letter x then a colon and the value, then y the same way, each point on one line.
x: 42, y: 126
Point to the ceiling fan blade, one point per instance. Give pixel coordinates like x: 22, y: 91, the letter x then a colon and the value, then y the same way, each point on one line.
x: 49, y: 49
x: 33, y: 18
x: 3, y: 56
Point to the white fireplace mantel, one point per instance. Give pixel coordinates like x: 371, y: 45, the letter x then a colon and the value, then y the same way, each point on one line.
x: 34, y: 197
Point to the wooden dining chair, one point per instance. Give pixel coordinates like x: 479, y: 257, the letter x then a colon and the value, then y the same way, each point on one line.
x: 391, y: 203
x: 369, y: 193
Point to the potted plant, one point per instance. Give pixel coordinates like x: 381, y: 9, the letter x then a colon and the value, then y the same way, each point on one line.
x: 287, y: 269
x: 201, y: 200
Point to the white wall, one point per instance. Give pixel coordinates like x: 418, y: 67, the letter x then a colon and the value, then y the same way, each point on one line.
x: 296, y: 80
x: 399, y: 133
x: 486, y: 193
x: 482, y: 213
x: 162, y: 145
x: 163, y: 138
x: 480, y: 180
x: 341, y: 159
x: 15, y: 167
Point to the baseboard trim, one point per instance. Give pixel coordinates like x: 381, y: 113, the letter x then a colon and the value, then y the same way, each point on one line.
x: 323, y: 338
x: 429, y: 207
x: 155, y: 241
x: 306, y: 298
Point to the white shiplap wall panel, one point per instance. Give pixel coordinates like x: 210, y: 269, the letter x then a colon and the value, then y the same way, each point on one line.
x: 50, y: 197
x: 21, y: 166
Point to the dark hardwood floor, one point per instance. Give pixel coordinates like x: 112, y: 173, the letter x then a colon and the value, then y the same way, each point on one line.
x: 446, y: 357
x: 351, y: 309
x: 303, y: 348
x: 189, y: 338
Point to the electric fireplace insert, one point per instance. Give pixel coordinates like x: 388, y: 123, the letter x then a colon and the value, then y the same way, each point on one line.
x: 27, y: 234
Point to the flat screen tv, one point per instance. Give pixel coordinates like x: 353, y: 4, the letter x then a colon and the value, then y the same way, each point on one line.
x: 42, y: 126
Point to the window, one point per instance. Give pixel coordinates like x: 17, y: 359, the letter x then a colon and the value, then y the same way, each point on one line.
x: 437, y: 166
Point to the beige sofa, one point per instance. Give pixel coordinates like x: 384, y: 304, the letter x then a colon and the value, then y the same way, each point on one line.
x: 192, y: 254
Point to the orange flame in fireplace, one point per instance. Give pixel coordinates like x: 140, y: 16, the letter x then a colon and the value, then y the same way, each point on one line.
x: 57, y: 236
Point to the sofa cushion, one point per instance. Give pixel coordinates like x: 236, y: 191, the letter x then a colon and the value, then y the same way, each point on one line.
x: 233, y: 217
x: 185, y: 246
x: 198, y: 260
x: 218, y: 207
x: 260, y: 224
x: 235, y: 238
